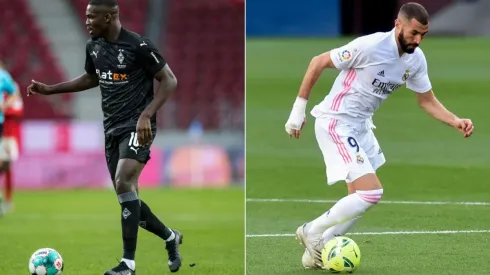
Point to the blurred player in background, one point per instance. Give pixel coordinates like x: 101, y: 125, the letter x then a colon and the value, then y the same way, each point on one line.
x: 11, y: 142
x: 124, y: 65
x: 372, y: 67
x: 8, y: 149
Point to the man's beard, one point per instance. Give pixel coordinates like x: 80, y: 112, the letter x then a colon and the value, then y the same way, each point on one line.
x: 404, y: 45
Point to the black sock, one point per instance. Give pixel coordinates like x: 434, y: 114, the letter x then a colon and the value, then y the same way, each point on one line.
x: 130, y: 217
x: 151, y: 223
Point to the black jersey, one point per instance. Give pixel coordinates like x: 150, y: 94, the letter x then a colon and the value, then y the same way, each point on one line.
x: 126, y: 70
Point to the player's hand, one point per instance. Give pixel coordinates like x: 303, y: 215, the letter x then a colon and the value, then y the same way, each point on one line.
x: 37, y: 88
x: 294, y: 125
x: 465, y: 126
x: 143, y: 128
x: 297, y: 118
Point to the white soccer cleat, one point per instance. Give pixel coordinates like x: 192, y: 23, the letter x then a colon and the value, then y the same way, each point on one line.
x: 314, y: 246
x: 308, y: 262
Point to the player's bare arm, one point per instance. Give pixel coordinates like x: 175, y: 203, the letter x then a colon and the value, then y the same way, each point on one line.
x: 314, y: 71
x: 297, y: 118
x: 429, y: 102
x: 168, y: 83
x: 81, y: 83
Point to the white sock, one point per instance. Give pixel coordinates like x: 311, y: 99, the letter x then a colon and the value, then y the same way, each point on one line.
x: 131, y: 263
x: 344, y: 210
x: 172, y: 236
x: 339, y: 229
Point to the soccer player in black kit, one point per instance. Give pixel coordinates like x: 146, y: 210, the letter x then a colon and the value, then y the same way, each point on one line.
x: 124, y: 65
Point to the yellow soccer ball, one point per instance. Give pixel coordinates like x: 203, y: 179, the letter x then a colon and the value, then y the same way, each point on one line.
x: 341, y: 255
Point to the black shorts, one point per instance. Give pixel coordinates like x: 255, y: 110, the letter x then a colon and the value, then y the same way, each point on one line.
x: 124, y: 146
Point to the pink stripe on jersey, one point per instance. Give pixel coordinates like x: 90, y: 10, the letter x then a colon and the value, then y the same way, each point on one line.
x: 346, y: 152
x: 340, y: 145
x: 331, y: 128
x: 348, y: 80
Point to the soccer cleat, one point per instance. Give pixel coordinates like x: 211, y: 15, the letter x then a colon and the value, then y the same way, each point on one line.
x: 174, y: 257
x: 308, y: 262
x: 121, y: 269
x: 314, y: 247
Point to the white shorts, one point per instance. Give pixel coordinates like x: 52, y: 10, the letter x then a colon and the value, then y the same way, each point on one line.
x: 349, y: 150
x: 9, y: 150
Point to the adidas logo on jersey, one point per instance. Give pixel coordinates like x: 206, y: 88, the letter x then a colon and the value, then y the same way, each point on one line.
x: 382, y: 73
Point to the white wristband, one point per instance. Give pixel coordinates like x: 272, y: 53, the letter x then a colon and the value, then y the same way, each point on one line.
x: 300, y: 104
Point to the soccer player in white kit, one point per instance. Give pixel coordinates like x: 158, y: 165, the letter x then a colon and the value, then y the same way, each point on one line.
x: 371, y: 68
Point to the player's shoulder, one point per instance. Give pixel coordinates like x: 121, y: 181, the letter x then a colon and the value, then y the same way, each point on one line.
x: 6, y: 79
x: 419, y: 54
x: 417, y: 59
x: 4, y: 74
x: 373, y: 38
x: 91, y: 42
x: 135, y: 39
x: 371, y: 41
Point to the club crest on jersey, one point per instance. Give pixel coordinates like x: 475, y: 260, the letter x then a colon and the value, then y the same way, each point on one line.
x: 360, y: 160
x: 406, y: 75
x: 120, y: 58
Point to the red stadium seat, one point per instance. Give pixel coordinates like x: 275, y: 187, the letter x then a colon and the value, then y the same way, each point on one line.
x: 27, y: 56
x: 204, y: 45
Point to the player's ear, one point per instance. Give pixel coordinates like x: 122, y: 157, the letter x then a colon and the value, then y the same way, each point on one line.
x: 399, y: 24
x: 107, y: 18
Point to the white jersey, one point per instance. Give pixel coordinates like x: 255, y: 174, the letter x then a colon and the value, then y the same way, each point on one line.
x: 371, y: 69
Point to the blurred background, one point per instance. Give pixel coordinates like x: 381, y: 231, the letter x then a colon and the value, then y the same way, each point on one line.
x: 201, y: 131
x: 435, y: 181
x: 194, y: 180
x: 333, y: 18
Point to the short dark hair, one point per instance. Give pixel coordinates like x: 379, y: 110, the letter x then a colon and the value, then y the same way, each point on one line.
x: 108, y: 3
x: 414, y: 10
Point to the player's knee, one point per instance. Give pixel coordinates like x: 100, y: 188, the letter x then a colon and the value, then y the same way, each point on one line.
x: 124, y: 185
x: 350, y: 189
x: 366, y: 182
x: 370, y: 196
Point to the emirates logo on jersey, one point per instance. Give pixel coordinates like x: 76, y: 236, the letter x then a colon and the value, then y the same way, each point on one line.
x: 384, y: 88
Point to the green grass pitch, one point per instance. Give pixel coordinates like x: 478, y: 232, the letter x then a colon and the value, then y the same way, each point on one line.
x: 84, y: 226
x: 426, y: 162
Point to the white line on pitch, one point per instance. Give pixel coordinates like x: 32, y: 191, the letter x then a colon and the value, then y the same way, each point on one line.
x: 383, y: 233
x: 386, y: 202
